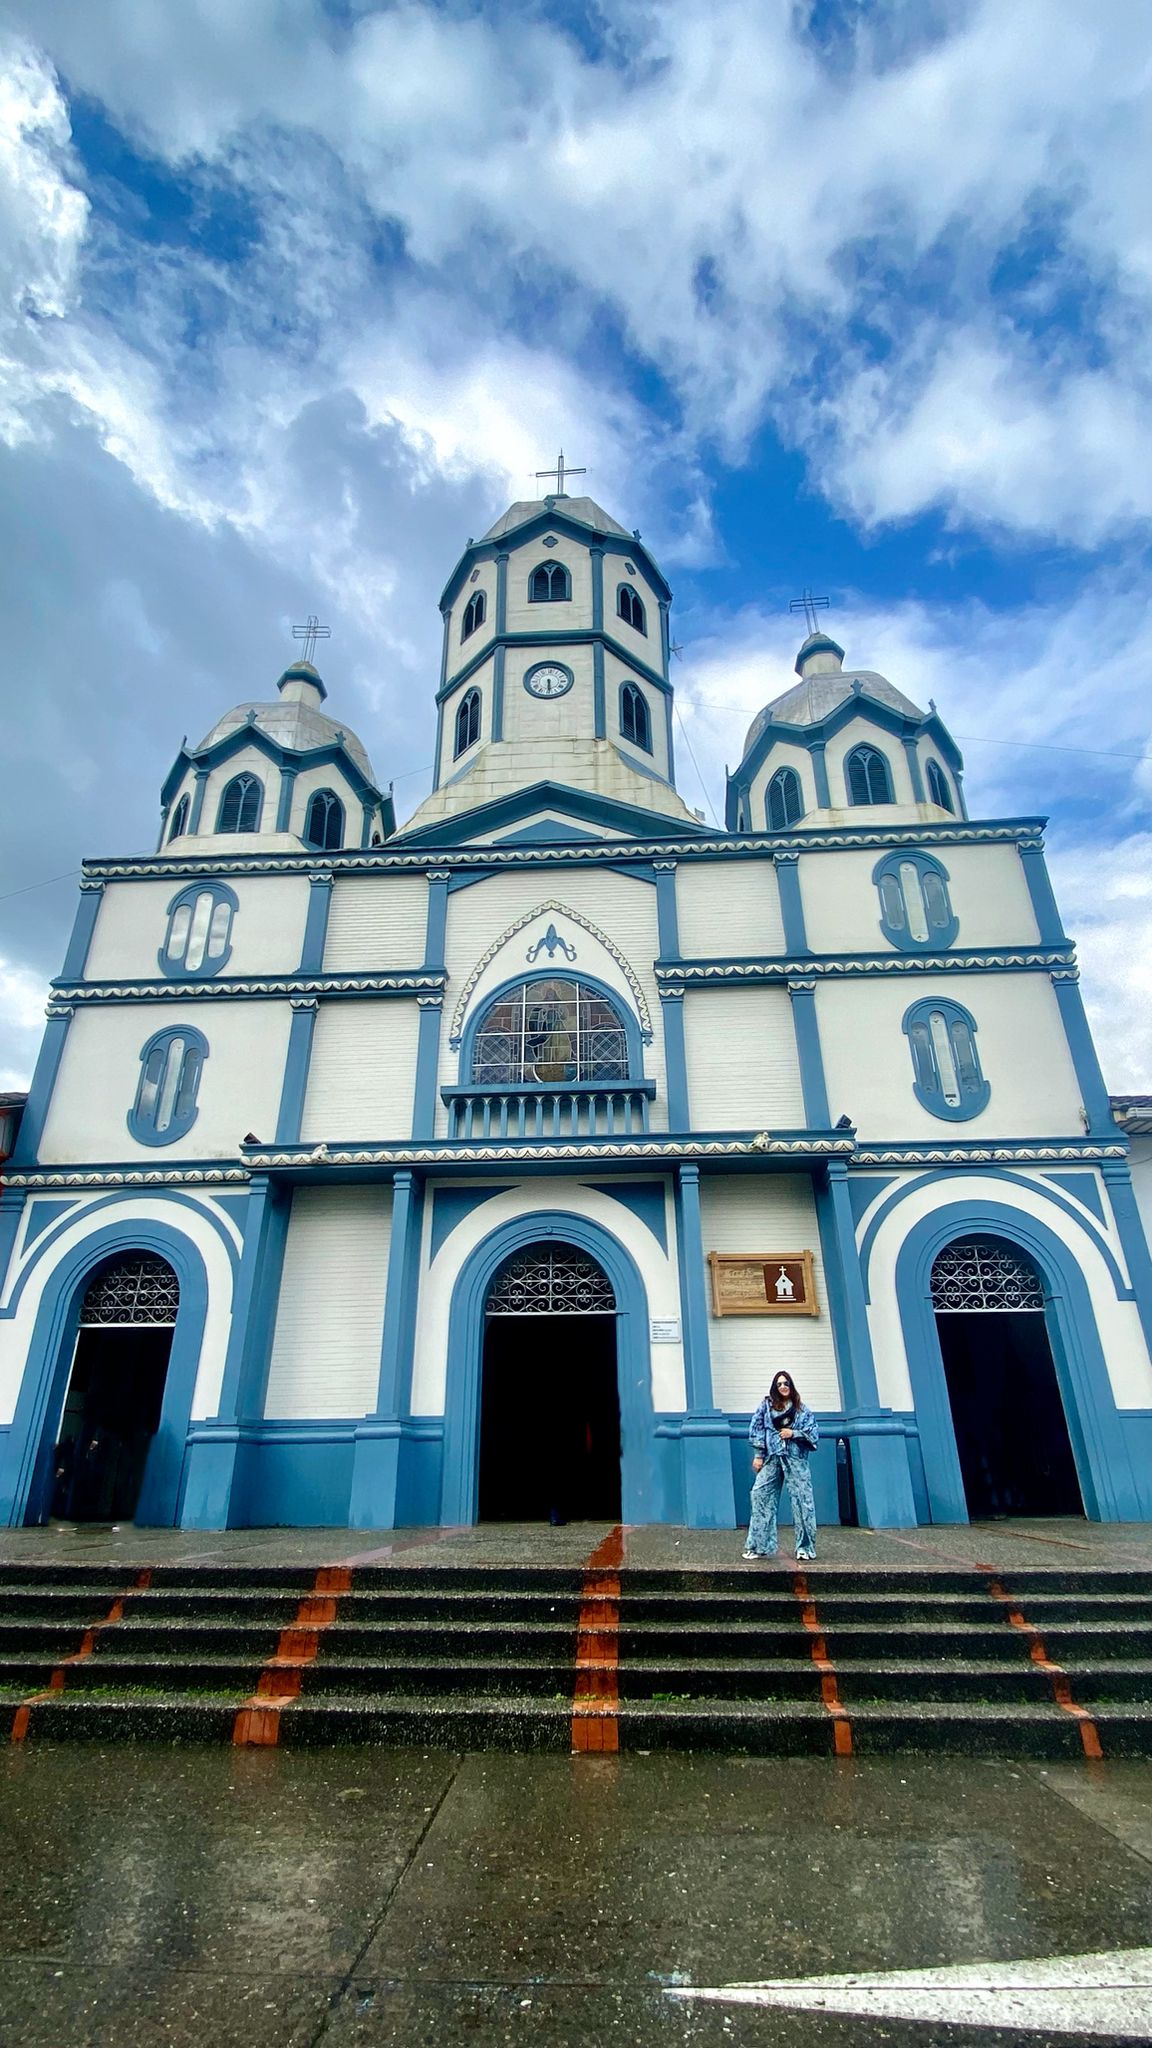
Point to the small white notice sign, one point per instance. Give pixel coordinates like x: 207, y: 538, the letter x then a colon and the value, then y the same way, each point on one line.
x: 664, y: 1329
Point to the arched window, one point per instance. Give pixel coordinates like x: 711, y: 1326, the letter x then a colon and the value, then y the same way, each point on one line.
x: 915, y: 907
x: 635, y: 723
x: 473, y: 614
x: 938, y: 789
x: 179, y: 825
x: 241, y: 805
x: 170, y: 1067
x: 869, y: 781
x: 945, y: 1064
x: 554, y: 1030
x: 785, y: 800
x: 324, y: 825
x: 467, y: 721
x: 549, y: 583
x: 199, y: 935
x: 630, y: 607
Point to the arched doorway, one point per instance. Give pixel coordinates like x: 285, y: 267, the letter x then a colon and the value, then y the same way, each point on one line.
x: 115, y: 1388
x: 1007, y: 1411
x: 549, y: 1406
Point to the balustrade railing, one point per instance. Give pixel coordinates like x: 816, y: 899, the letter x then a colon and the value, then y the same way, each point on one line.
x: 543, y: 1110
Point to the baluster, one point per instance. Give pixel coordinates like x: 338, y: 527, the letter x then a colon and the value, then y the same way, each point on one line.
x: 538, y: 1127
x: 503, y: 1116
x: 487, y: 1116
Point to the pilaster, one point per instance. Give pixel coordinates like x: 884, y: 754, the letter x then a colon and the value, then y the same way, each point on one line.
x: 197, y: 811
x: 1117, y: 1176
x: 787, y: 866
x: 817, y: 1114
x: 294, y: 1088
x: 879, y: 1455
x: 704, y: 1435
x: 215, y: 1480
x: 27, y: 1148
x: 1093, y: 1089
x: 316, y: 924
x: 377, y: 1474
x: 675, y: 1056
x: 284, y: 806
x: 84, y: 924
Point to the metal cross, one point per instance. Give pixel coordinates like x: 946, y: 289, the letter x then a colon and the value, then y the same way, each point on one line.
x: 310, y: 634
x: 560, y: 473
x: 809, y: 605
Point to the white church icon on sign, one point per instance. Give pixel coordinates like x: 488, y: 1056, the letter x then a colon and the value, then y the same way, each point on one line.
x: 785, y: 1291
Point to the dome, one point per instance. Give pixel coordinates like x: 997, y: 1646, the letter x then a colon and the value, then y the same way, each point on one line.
x: 585, y: 512
x: 811, y: 701
x: 297, y: 727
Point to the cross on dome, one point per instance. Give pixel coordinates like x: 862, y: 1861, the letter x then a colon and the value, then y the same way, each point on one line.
x: 310, y: 634
x: 809, y: 605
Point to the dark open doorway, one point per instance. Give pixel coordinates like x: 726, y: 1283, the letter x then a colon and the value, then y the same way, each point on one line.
x: 550, y: 1408
x: 115, y: 1390
x: 1007, y: 1411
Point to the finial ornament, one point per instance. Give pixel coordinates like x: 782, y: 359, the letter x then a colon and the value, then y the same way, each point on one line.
x: 560, y: 472
x: 310, y: 634
x: 809, y: 605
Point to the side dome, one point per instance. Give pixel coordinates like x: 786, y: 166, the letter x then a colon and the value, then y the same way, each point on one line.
x: 295, y: 720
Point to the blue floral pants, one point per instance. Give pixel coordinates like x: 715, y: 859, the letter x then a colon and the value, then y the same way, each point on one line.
x: 774, y: 1474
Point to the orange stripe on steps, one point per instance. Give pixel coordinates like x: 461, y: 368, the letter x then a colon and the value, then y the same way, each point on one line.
x: 257, y: 1723
x: 1060, y: 1682
x: 829, y: 1690
x: 59, y: 1676
x: 596, y: 1692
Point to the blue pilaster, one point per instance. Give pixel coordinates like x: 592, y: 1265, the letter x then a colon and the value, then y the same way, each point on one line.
x: 367, y: 816
x: 667, y: 919
x: 787, y: 867
x: 1049, y: 924
x: 501, y: 593
x: 377, y: 1469
x: 596, y: 554
x: 11, y: 1209
x: 1090, y: 1080
x: 675, y: 1058
x: 295, y: 1084
x: 427, y: 1066
x: 499, y: 660
x: 284, y: 806
x: 1130, y: 1228
x: 820, y: 771
x: 806, y: 1025
x: 26, y: 1151
x: 214, y: 1482
x: 447, y: 617
x: 665, y: 646
x: 879, y: 1456
x: 913, y: 759
x: 599, y: 713
x: 316, y: 924
x: 436, y: 922
x: 958, y: 779
x: 198, y: 793
x: 708, y: 1496
x: 84, y: 924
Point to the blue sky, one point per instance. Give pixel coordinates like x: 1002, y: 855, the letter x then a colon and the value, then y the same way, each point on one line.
x: 853, y: 295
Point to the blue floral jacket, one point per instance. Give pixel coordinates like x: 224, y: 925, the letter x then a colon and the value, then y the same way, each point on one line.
x: 768, y: 1442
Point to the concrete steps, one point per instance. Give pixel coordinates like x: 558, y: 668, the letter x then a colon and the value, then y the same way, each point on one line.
x: 1046, y: 1664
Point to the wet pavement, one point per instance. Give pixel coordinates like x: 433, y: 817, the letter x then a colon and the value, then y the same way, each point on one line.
x: 1048, y: 1545
x: 154, y: 1897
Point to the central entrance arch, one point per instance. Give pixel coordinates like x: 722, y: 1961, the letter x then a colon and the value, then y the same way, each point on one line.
x: 115, y: 1389
x: 550, y: 1408
x: 641, y: 1498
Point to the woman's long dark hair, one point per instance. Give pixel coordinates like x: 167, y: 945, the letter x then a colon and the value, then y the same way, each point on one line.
x: 794, y: 1393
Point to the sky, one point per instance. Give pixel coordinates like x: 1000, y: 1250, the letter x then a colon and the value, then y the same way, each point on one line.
x: 297, y: 295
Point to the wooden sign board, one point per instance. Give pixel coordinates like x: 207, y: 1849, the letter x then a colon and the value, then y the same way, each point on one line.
x: 763, y: 1284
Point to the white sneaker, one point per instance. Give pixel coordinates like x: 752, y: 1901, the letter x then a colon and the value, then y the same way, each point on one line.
x: 750, y: 1556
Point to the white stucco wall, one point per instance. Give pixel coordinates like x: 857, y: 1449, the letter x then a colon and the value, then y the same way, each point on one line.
x: 376, y: 921
x: 1118, y: 1322
x: 657, y: 1270
x: 986, y: 884
x: 571, y: 616
x: 728, y: 909
x: 762, y: 1214
x: 363, y: 1071
x: 267, y: 929
x: 537, y: 719
x: 100, y: 1071
x: 39, y: 1259
x: 1023, y: 1053
x: 450, y: 763
x: 460, y: 652
x: 330, y: 1316
x: 743, y: 1073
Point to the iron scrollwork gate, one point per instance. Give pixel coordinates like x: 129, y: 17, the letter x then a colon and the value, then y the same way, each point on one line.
x: 551, y: 1280
x: 983, y: 1275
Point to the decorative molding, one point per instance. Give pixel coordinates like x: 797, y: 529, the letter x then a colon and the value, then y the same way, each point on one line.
x: 551, y: 944
x: 519, y: 924
x: 1018, y: 1153
x: 572, y: 853
x: 57, y: 1009
x: 401, y: 981
x: 435, y: 1002
x: 128, y: 1176
x: 649, y: 1147
x: 1054, y: 961
x: 305, y: 1003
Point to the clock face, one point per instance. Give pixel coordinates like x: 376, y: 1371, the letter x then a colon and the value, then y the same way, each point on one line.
x: 548, y: 679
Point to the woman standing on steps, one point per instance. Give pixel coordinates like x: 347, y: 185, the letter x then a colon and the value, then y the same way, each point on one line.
x: 783, y: 1435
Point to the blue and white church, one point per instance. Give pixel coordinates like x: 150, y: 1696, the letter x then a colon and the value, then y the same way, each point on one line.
x: 485, y: 1170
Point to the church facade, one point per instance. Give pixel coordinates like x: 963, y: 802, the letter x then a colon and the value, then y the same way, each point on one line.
x: 488, y: 1168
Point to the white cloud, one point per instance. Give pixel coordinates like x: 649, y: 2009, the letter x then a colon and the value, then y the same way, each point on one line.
x: 23, y: 994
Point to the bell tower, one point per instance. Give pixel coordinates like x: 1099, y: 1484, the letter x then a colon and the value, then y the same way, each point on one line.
x: 555, y: 673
